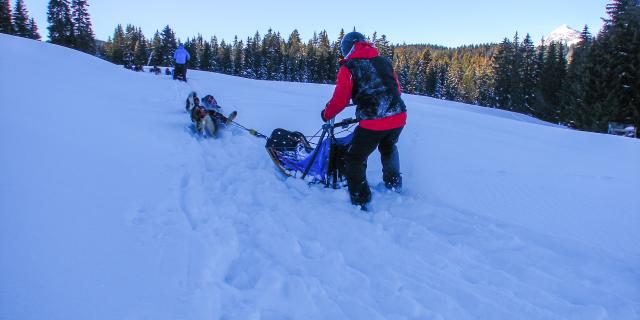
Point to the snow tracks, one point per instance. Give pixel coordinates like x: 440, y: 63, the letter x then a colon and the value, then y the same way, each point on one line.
x: 264, y: 247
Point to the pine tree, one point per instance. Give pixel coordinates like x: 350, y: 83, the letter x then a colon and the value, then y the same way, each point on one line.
x: 585, y: 36
x: 156, y: 49
x: 248, y: 59
x: 115, y: 46
x: 311, y: 62
x: 338, y: 43
x: 402, y: 67
x: 84, y: 38
x: 294, y: 58
x: 199, y: 48
x: 257, y: 57
x: 517, y: 93
x: 595, y: 112
x: 573, y: 93
x: 451, y: 86
x: 272, y: 53
x: 267, y: 65
x: 421, y: 72
x: 551, y: 81
x: 6, y: 23
x: 548, y: 84
x: 33, y: 30
x: 168, y: 46
x: 529, y: 74
x: 61, y: 28
x: 468, y: 89
x: 384, y: 47
x: 21, y: 20
x: 484, y: 80
x: 443, y: 71
x: 236, y: 57
x: 192, y: 48
x: 225, y: 58
x: 561, y: 71
x: 431, y: 79
x: 620, y: 44
x: 503, y: 69
x: 141, y: 53
x: 205, y: 60
x: 326, y: 59
x: 131, y: 38
x: 215, y: 55
x: 412, y: 75
x: 336, y: 51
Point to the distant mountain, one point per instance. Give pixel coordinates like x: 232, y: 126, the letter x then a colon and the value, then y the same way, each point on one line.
x: 564, y: 34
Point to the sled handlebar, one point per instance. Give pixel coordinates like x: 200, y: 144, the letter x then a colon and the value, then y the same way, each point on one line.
x: 344, y: 123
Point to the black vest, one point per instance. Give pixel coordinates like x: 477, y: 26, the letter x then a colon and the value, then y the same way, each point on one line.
x: 375, y: 91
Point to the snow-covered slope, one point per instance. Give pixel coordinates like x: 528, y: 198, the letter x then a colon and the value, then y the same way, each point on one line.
x: 564, y: 34
x: 110, y: 209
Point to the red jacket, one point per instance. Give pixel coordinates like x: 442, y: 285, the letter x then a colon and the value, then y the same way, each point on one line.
x: 344, y: 86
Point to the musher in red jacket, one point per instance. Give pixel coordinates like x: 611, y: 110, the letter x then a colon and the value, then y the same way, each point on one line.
x: 370, y: 81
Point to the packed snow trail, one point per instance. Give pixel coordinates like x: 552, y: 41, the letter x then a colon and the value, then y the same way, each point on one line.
x: 113, y: 210
x: 418, y: 261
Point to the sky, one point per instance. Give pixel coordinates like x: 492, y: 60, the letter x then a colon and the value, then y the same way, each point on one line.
x: 449, y: 23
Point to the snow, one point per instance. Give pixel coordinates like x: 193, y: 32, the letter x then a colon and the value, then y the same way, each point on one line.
x: 111, y: 209
x: 564, y: 34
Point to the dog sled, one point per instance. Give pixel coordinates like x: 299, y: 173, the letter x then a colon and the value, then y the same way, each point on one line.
x: 294, y: 155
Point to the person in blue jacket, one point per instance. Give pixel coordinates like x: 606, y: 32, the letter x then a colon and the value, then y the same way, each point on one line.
x: 181, y: 56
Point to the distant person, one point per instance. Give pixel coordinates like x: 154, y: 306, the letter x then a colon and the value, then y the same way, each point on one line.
x: 128, y: 60
x: 181, y: 57
x: 370, y: 81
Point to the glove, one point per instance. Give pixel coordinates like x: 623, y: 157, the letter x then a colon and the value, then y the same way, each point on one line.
x: 322, y: 116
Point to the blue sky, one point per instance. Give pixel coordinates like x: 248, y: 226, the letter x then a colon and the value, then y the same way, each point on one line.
x: 449, y: 23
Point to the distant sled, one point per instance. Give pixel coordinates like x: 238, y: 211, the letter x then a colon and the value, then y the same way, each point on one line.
x: 294, y: 156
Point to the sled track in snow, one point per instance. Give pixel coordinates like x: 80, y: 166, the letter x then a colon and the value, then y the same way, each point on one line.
x: 281, y: 240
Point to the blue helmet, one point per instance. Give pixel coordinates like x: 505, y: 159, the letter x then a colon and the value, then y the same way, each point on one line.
x: 349, y: 40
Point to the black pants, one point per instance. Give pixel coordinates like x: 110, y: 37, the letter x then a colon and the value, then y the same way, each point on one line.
x: 180, y: 71
x: 364, y: 142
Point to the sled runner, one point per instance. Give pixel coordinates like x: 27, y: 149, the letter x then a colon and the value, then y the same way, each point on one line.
x: 294, y: 156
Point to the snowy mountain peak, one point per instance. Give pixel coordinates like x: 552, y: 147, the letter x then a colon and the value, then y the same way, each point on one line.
x: 564, y: 34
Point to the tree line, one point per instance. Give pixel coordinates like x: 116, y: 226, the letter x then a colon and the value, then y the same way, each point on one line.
x: 17, y: 23
x: 268, y: 57
x: 584, y: 87
x: 462, y: 74
x: 69, y: 23
x: 603, y: 79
